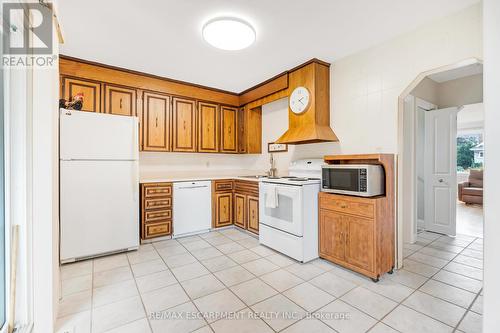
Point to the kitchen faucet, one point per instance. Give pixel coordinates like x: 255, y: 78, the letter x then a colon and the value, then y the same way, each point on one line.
x: 273, y: 172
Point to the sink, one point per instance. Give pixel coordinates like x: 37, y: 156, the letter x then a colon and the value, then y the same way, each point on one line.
x: 253, y: 176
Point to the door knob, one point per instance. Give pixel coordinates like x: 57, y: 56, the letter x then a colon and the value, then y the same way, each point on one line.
x: 441, y: 180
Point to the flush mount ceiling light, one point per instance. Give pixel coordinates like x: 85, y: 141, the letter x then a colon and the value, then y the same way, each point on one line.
x: 228, y: 33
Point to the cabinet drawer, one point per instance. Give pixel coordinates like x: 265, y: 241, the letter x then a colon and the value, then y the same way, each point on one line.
x: 223, y: 185
x: 157, y: 203
x: 152, y: 191
x: 349, y: 207
x: 157, y: 229
x: 157, y: 215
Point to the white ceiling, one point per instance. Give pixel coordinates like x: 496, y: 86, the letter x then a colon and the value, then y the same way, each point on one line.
x: 163, y: 37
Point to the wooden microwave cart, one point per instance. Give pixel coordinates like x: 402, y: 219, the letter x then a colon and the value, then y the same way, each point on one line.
x: 357, y: 232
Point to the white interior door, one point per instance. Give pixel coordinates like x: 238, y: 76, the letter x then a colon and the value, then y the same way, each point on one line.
x: 441, y: 170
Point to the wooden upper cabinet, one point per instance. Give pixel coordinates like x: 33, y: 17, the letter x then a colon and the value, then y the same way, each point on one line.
x: 332, y: 235
x: 156, y: 122
x: 360, y: 242
x: 229, y: 129
x: 91, y: 91
x: 240, y: 210
x: 242, y: 131
x: 208, y: 134
x: 120, y: 100
x: 184, y: 124
x: 252, y: 204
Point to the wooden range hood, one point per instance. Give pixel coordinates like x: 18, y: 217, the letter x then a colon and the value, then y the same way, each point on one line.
x: 313, y: 125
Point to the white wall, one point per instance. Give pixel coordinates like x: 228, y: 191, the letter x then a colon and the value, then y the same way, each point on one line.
x: 366, y: 86
x: 491, y: 23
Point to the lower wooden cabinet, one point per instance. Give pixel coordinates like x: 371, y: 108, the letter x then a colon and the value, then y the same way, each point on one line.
x: 239, y: 199
x: 252, y: 204
x: 156, y: 210
x: 351, y: 239
x: 240, y: 204
x: 223, y: 204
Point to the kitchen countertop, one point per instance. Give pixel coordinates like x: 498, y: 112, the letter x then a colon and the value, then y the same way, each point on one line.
x: 195, y: 175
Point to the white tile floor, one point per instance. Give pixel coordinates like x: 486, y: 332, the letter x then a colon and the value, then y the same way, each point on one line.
x: 220, y: 281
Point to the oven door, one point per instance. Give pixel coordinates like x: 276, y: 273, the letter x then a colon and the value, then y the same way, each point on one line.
x: 340, y: 180
x: 287, y: 216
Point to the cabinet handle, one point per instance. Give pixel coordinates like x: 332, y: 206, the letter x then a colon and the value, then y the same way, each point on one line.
x: 156, y: 120
x: 343, y: 206
x: 120, y: 103
x: 229, y: 129
x: 184, y: 124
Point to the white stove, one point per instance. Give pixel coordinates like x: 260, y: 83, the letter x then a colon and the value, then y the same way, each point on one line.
x: 288, y: 210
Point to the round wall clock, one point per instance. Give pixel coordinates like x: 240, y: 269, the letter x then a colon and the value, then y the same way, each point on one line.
x: 299, y: 100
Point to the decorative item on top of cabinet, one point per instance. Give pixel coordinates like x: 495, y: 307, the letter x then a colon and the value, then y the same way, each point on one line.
x: 156, y: 210
x: 208, y: 134
x: 184, y: 125
x: 222, y: 203
x: 120, y: 100
x: 156, y: 122
x: 229, y: 129
x: 356, y: 232
x: 91, y: 91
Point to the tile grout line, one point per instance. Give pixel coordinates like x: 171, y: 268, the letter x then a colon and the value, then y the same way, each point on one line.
x: 229, y: 288
x: 468, y: 310
x: 139, y: 292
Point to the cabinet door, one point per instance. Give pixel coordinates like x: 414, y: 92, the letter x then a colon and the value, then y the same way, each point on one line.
x: 120, y: 100
x: 184, y: 124
x: 240, y: 210
x: 91, y: 91
x: 331, y: 235
x: 223, y: 209
x: 242, y: 140
x: 360, y: 243
x: 208, y: 135
x: 229, y: 129
x: 253, y: 214
x: 156, y: 122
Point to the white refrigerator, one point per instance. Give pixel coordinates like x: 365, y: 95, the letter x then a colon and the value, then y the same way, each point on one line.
x: 99, y: 184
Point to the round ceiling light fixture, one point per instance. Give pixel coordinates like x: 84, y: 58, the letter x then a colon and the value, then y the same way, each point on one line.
x: 228, y: 33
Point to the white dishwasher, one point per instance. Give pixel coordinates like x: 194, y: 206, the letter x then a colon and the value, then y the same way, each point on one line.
x: 192, y: 207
